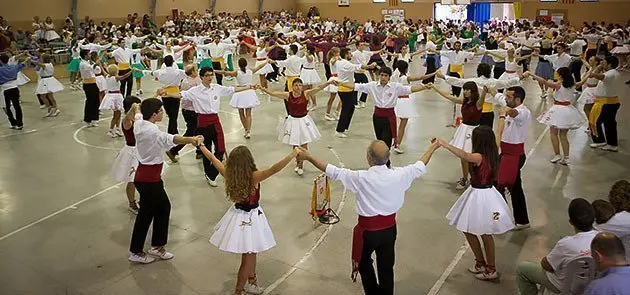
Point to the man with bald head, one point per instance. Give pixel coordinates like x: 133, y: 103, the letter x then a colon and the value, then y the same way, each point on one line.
x: 610, y: 256
x: 380, y: 193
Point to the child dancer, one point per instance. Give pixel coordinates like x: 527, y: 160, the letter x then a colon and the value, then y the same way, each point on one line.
x: 298, y: 129
x: 244, y: 228
x: 562, y: 116
x: 126, y: 162
x: 333, y: 56
x: 587, y: 98
x: 73, y: 66
x: 404, y: 107
x: 481, y: 210
x: 244, y: 101
x: 261, y: 56
x: 308, y: 74
x: 113, y: 99
x: 138, y: 63
x: 48, y: 85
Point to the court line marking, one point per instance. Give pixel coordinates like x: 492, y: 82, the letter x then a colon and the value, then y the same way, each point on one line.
x: 435, y: 289
x: 317, y: 243
x: 74, y: 206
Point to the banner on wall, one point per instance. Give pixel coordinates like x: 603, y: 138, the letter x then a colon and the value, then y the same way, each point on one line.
x: 343, y: 3
x: 394, y: 15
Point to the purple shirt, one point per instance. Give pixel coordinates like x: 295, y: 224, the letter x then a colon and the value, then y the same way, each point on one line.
x: 9, y: 72
x: 613, y: 281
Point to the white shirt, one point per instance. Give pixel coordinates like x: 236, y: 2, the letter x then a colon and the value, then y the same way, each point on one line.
x: 150, y: 141
x: 47, y: 71
x: 345, y: 70
x: 168, y: 76
x: 576, y: 47
x: 609, y: 87
x: 559, y: 61
x: 457, y: 58
x: 206, y: 100
x: 379, y: 190
x: 244, y: 78
x: 483, y: 81
x: 218, y: 50
x: 384, y: 96
x: 567, y: 249
x: 94, y: 47
x: 619, y: 225
x: 293, y: 65
x: 123, y: 55
x: 516, y: 129
x: 86, y: 69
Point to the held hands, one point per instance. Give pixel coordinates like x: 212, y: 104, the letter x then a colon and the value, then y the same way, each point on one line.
x: 198, y: 140
x: 503, y: 111
x: 301, y: 154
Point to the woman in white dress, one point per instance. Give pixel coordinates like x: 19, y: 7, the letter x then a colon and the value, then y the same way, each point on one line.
x: 562, y: 116
x: 587, y: 98
x: 481, y: 211
x: 404, y: 106
x: 298, y: 129
x: 512, y: 64
x: 246, y: 100
x: 113, y: 99
x: 244, y: 228
x: 51, y: 34
x: 333, y: 56
x: 47, y: 85
x: 261, y: 57
x: 309, y: 75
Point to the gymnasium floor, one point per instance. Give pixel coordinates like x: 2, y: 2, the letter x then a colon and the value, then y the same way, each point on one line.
x: 65, y: 228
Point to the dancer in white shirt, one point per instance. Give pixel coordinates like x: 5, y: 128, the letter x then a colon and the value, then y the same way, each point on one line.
x: 604, y: 111
x: 47, y: 85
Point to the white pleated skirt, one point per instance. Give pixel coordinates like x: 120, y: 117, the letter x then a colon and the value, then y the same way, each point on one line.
x: 242, y: 232
x: 51, y: 35
x: 620, y: 50
x: 112, y: 101
x: 508, y: 76
x: 562, y: 117
x: 48, y: 85
x: 22, y: 79
x: 298, y: 131
x: 310, y: 77
x: 331, y: 88
x: 124, y: 168
x: 264, y: 70
x: 463, y: 137
x: 244, y: 100
x: 481, y: 212
x: 405, y: 109
x: 587, y: 96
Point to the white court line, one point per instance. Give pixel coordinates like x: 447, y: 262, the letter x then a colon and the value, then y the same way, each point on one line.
x: 73, y: 206
x: 435, y: 289
x: 317, y: 243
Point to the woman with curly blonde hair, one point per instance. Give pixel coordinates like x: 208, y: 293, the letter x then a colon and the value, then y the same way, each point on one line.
x: 619, y: 224
x: 244, y: 228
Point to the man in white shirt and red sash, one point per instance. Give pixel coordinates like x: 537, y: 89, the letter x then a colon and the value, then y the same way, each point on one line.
x: 154, y: 204
x: 385, y: 95
x: 206, y: 102
x: 604, y: 111
x: 514, y: 121
x: 380, y: 193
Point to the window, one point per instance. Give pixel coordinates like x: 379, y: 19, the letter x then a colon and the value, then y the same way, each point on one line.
x: 407, y: 1
x: 379, y: 1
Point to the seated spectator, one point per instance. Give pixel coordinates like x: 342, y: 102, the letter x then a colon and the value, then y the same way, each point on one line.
x: 614, y: 272
x: 619, y: 224
x: 604, y: 210
x: 551, y: 271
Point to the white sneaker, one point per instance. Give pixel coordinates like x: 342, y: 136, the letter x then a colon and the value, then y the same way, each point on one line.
x: 461, y: 184
x: 42, y: 107
x: 299, y: 171
x: 87, y: 124
x: 140, y: 90
x: 565, y: 161
x: 112, y: 133
x: 398, y: 150
x: 93, y: 124
x: 212, y: 183
x: 55, y: 113
x: 610, y: 148
x: 248, y: 135
x: 521, y: 227
x: 475, y: 269
x: 555, y: 159
x: 486, y: 276
x: 145, y: 259
x: 253, y: 288
x: 597, y: 145
x: 160, y: 253
x: 341, y: 135
x: 363, y: 104
x: 329, y: 117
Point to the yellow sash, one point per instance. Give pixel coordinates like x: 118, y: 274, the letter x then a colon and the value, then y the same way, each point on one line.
x: 290, y: 80
x: 221, y: 61
x: 487, y: 107
x: 360, y: 71
x: 597, y: 110
x: 89, y: 81
x: 341, y: 88
x: 556, y: 76
x: 124, y: 66
x: 171, y: 90
x: 457, y: 69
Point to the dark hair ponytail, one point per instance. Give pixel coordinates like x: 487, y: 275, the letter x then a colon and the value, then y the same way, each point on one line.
x: 567, y: 78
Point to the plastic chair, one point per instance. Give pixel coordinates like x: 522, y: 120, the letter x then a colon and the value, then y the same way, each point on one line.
x: 580, y: 272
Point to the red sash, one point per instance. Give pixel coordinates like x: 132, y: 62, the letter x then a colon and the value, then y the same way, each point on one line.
x: 148, y: 173
x: 391, y: 117
x: 374, y: 223
x: 207, y: 120
x: 508, y: 165
x: 562, y: 103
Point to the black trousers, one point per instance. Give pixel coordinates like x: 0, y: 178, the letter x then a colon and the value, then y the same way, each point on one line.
x: 171, y: 107
x: 608, y: 120
x: 154, y: 207
x: 431, y: 68
x: 361, y: 78
x: 576, y: 69
x: 348, y: 102
x: 519, y: 205
x: 191, y: 124
x: 455, y: 90
x: 126, y: 85
x: 327, y: 70
x: 499, y: 69
x: 590, y: 53
x: 525, y: 63
x: 487, y: 119
x: 273, y: 75
x: 217, y: 66
x: 90, y: 112
x: 12, y: 98
x: 382, y: 242
x: 382, y: 129
x: 210, y: 137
